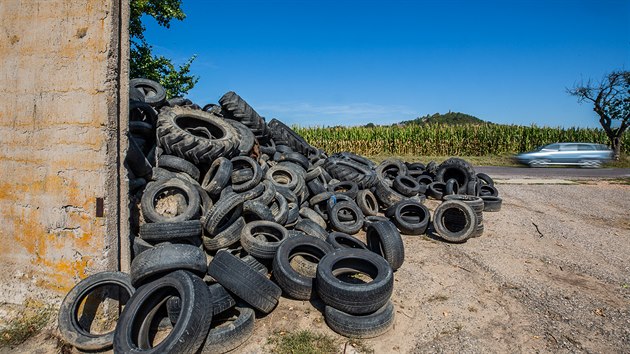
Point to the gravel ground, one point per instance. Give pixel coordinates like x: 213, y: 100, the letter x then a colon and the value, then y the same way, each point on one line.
x: 551, y: 273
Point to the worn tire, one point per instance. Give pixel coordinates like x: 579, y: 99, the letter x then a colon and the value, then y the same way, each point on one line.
x: 225, y: 238
x: 245, y: 282
x: 245, y: 162
x: 367, y: 202
x: 311, y: 228
x: 152, y: 92
x: 455, y: 221
x: 354, y: 298
x: 156, y: 188
x: 350, y: 227
x: 485, y: 179
x: 346, y: 166
x: 456, y: 168
x: 246, y: 138
x: 341, y: 240
x: 186, y: 336
x: 165, y: 258
x: 177, y: 164
x: 228, y: 334
x: 234, y: 107
x: 491, y: 203
x: 410, y: 217
x: 262, y: 238
x: 283, y: 135
x: 384, y: 239
x: 170, y: 231
x: 406, y: 186
x: 217, y: 176
x: 69, y: 325
x: 436, y: 190
x: 293, y: 283
x: 195, y: 135
x: 487, y: 190
x: 360, y: 326
x: 347, y: 188
x: 223, y: 213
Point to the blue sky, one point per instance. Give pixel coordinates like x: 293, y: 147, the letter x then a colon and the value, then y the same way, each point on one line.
x: 354, y: 62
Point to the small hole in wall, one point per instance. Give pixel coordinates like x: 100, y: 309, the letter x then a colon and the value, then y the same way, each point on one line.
x: 99, y: 207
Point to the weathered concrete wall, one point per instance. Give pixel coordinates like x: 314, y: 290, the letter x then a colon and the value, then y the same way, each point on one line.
x: 60, y: 74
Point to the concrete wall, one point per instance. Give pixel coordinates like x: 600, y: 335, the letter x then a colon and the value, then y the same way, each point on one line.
x: 60, y: 143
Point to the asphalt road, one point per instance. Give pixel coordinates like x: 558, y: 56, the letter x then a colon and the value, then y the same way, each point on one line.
x: 554, y: 172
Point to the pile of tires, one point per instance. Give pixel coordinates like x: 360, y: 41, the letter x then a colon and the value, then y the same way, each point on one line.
x: 230, y: 212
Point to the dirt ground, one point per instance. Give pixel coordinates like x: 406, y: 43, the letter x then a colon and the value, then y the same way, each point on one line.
x: 551, y: 273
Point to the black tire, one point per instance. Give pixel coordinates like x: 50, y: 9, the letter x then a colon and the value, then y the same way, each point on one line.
x: 262, y: 238
x: 436, y: 190
x: 280, y: 209
x: 293, y: 215
x: 217, y: 176
x: 254, y: 211
x: 165, y: 258
x: 71, y: 328
x: 293, y: 283
x: 456, y: 168
x: 454, y: 221
x: 226, y: 238
x: 268, y: 194
x: 349, y: 227
x: 474, y: 202
x: 384, y: 239
x: 316, y: 186
x: 157, y: 189
x: 311, y: 228
x: 236, y: 108
x: 245, y: 162
x: 242, y: 280
x: 296, y: 158
x: 357, y: 298
x: 451, y: 187
x: 367, y: 202
x: 284, y: 135
x: 406, y: 186
x: 360, y: 326
x: 136, y: 161
x: 139, y: 245
x: 487, y: 190
x: 227, y: 334
x: 373, y: 218
x: 386, y: 195
x: 491, y: 203
x: 391, y: 168
x: 153, y: 93
x: 485, y: 179
x: 171, y: 231
x: 196, y: 136
x: 346, y: 166
x: 311, y: 214
x: 223, y: 213
x: 340, y: 240
x: 348, y: 188
x: 283, y: 177
x: 177, y: 164
x: 220, y: 299
x: 246, y: 137
x: 410, y: 217
x: 187, y: 336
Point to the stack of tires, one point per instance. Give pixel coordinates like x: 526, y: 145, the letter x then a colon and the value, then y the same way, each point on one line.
x: 230, y: 212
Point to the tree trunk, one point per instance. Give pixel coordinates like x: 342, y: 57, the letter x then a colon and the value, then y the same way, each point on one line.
x: 616, y: 146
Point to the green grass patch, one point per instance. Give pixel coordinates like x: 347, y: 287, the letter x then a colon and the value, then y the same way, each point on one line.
x: 302, y: 342
x: 624, y: 162
x: 27, y: 323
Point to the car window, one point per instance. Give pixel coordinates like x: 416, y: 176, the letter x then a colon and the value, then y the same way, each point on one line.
x: 568, y: 147
x: 583, y: 147
x: 552, y: 147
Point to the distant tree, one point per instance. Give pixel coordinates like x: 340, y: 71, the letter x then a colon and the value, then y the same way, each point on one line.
x: 370, y: 125
x: 143, y: 63
x: 611, y: 102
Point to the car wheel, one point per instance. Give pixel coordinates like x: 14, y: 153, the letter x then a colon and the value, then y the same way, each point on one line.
x: 538, y: 163
x: 591, y: 164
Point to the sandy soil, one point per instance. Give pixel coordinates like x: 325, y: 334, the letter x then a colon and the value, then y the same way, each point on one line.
x: 551, y: 273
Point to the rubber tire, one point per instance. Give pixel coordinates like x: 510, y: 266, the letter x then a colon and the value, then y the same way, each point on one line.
x: 217, y: 176
x: 355, y: 299
x: 451, y: 187
x: 69, y: 326
x: 340, y: 240
x: 347, y: 188
x: 384, y: 168
x: 407, y: 227
x: 296, y: 158
x: 491, y: 203
x: 386, y: 195
x: 236, y: 108
x: 245, y: 135
x: 226, y: 238
x: 406, y: 186
x: 175, y: 140
x: 164, y: 258
x: 220, y: 298
x: 229, y: 336
x: 187, y: 335
x: 223, y: 213
x: 383, y: 238
x: 283, y: 135
x: 156, y: 187
x: 348, y: 227
x: 456, y: 168
x: 470, y: 221
x: 170, y: 231
x: 154, y: 94
x: 360, y: 326
x: 311, y: 214
x: 293, y: 283
x: 311, y: 228
x: 245, y: 282
x: 177, y: 164
x: 487, y: 190
x: 367, y: 202
x: 254, y: 211
x: 263, y: 249
x: 436, y: 190
x: 485, y: 179
x: 346, y: 166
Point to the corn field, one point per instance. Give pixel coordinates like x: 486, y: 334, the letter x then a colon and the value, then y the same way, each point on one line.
x: 447, y: 140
